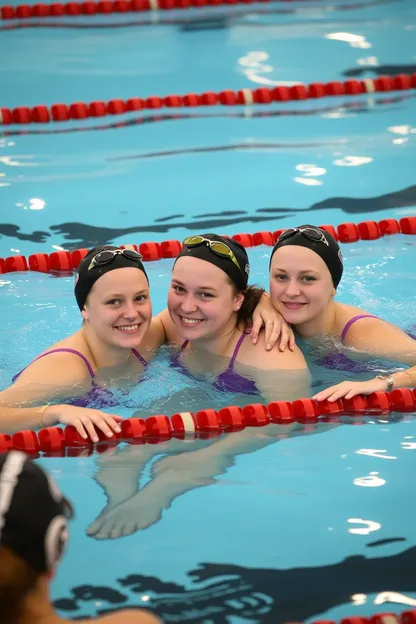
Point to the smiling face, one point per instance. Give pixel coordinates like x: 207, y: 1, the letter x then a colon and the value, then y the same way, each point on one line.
x: 201, y: 301
x: 119, y: 309
x: 301, y: 286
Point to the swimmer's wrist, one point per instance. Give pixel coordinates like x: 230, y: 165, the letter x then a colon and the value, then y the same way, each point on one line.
x: 404, y: 379
x: 49, y: 415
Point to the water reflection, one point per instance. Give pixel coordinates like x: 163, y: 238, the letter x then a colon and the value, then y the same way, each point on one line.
x: 369, y: 526
x: 370, y: 481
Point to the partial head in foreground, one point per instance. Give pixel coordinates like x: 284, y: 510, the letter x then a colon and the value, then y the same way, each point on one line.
x: 33, y: 532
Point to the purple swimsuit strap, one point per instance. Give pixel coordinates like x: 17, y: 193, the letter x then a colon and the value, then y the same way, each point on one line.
x: 139, y: 357
x: 353, y: 320
x: 60, y: 350
x: 235, y: 352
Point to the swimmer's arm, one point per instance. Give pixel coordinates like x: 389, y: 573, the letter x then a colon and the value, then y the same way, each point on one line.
x: 381, y: 339
x: 14, y: 419
x: 172, y: 335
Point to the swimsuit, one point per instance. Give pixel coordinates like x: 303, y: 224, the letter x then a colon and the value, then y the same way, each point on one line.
x: 97, y: 397
x: 229, y: 380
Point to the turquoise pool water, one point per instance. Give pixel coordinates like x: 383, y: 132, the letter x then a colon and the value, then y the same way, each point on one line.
x: 287, y: 526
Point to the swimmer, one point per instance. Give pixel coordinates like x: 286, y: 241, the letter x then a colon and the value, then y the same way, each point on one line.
x: 33, y: 535
x: 211, y: 303
x: 306, y: 267
x: 112, y: 293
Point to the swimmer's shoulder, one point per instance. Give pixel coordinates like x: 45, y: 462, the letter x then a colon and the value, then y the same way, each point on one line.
x: 344, y: 313
x: 257, y: 356
x: 126, y: 616
x: 59, y: 364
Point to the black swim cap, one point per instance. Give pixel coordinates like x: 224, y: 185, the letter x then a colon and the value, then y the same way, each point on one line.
x: 33, y: 514
x: 203, y: 251
x: 86, y: 276
x: 312, y: 237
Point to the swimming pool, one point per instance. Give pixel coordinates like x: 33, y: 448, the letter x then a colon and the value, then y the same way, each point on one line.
x: 319, y: 523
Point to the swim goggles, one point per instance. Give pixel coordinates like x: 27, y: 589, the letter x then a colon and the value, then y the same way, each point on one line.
x: 106, y: 256
x: 217, y: 247
x: 313, y: 234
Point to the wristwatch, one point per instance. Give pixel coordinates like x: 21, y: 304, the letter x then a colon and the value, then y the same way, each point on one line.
x: 390, y: 381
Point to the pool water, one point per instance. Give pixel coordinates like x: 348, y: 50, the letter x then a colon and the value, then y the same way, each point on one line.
x: 278, y: 524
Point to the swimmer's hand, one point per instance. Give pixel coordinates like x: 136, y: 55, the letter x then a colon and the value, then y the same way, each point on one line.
x: 277, y: 331
x: 84, y: 419
x: 350, y: 389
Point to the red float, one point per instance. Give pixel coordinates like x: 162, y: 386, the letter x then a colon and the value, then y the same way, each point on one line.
x: 298, y: 92
x: 232, y: 418
x: 281, y: 412
x: 97, y: 109
x: 39, y: 262
x: 227, y: 98
x: 379, y: 402
x: 208, y: 420
x: 191, y: 99
x: 357, y: 404
x: 40, y: 114
x: 402, y: 400
x: 73, y: 438
x: 244, y: 239
x: 134, y: 104
x: 330, y: 407
x: 173, y: 101
x: 305, y: 410
x: 170, y: 248
x: 6, y: 443
x: 348, y: 233
x: 60, y: 261
x: 26, y: 441
x: 383, y: 83
x: 408, y: 225
x: 51, y: 439
x: 388, y: 227
x: 60, y: 112
x: 316, y: 90
x: 353, y: 87
x: 133, y: 430
x: 16, y: 263
x: 334, y: 88
x: 6, y: 116
x: 158, y: 427
x: 368, y: 230
x: 76, y: 256
x: 116, y: 107
x: 263, y: 238
x: 408, y: 617
x: 150, y: 251
x: 256, y: 415
x: 78, y: 110
x: 209, y: 98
